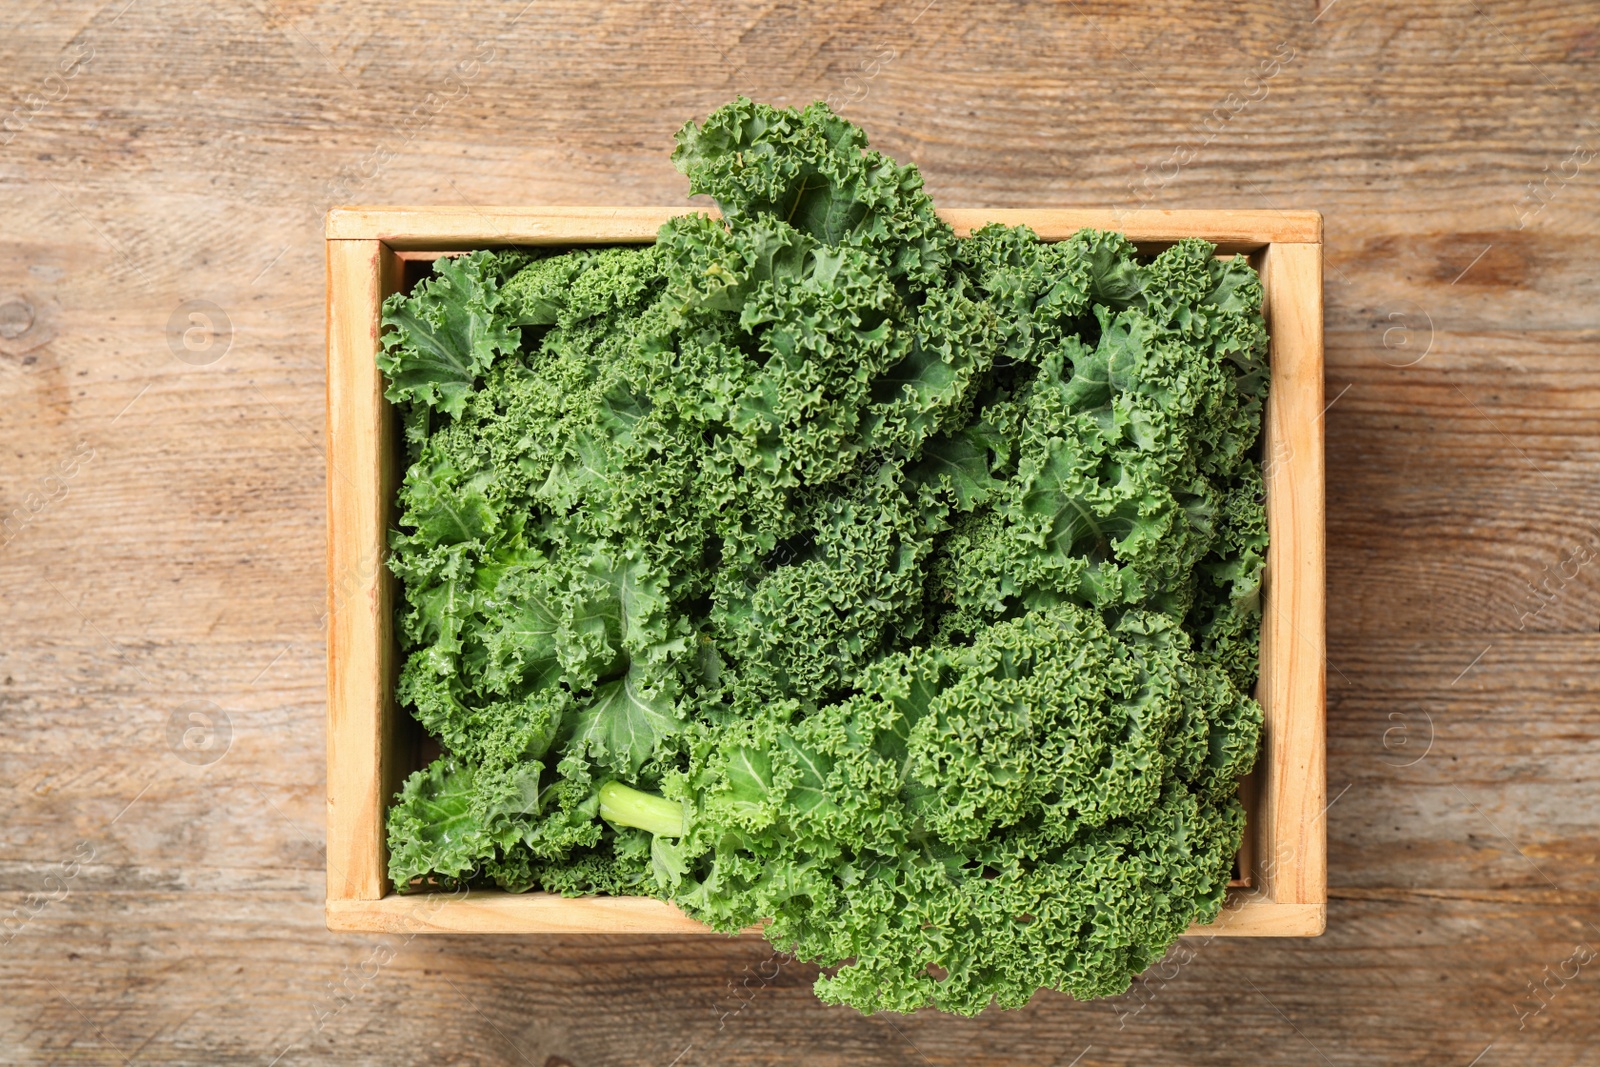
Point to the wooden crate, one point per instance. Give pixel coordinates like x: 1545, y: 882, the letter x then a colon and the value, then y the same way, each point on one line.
x: 1282, y: 890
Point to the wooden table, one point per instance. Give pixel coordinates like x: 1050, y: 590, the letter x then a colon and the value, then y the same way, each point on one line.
x: 164, y: 175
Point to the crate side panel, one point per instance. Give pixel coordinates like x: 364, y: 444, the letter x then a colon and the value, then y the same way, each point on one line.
x: 360, y: 606
x: 1291, y: 858
x: 1231, y: 231
x: 1246, y: 914
x: 1250, y: 913
x: 419, y: 228
x: 424, y: 228
x: 487, y: 912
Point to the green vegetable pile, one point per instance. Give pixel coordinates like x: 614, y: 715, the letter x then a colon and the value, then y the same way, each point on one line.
x: 816, y: 566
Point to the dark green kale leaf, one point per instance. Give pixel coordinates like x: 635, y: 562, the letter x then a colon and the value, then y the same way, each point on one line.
x: 815, y: 566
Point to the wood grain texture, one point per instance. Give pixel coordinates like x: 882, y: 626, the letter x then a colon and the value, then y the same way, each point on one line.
x: 1290, y: 834
x: 178, y: 568
x: 510, y: 913
x: 487, y: 913
x: 450, y: 227
x: 1283, y: 852
x: 363, y: 756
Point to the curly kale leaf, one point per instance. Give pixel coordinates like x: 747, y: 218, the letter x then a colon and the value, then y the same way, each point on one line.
x: 1041, y: 798
x: 811, y: 170
x: 813, y: 566
x: 455, y: 821
x: 441, y: 339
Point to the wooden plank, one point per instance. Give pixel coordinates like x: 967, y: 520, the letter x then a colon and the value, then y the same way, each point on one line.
x: 1229, y: 230
x: 1246, y: 914
x: 361, y: 482
x: 185, y: 560
x: 1457, y: 758
x: 1291, y: 861
x: 1250, y: 913
x: 489, y: 912
x: 424, y: 228
x: 643, y: 999
x: 449, y: 228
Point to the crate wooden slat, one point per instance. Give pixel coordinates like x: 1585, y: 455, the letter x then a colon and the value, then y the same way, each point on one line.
x: 1248, y: 914
x: 361, y: 482
x: 1291, y: 855
x: 422, y: 229
x: 487, y: 912
x: 1286, y: 850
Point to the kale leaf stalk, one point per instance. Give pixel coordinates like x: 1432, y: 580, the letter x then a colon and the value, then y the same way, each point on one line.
x: 622, y: 805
